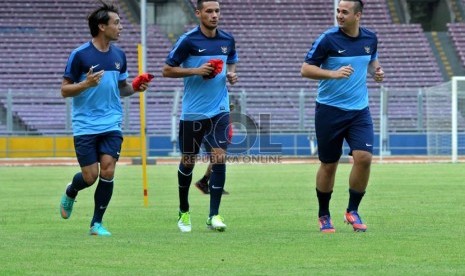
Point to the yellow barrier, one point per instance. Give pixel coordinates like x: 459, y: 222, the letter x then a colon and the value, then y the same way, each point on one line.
x: 54, y: 146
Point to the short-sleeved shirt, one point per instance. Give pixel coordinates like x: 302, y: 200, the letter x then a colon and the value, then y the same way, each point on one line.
x: 203, y: 98
x: 97, y: 109
x: 334, y: 49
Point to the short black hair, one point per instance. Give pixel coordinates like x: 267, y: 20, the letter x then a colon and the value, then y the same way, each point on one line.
x: 200, y: 3
x: 100, y: 16
x: 358, y: 5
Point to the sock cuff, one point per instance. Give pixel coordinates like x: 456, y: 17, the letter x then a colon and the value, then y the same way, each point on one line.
x: 106, y: 180
x: 186, y: 171
x: 351, y: 191
x: 318, y: 192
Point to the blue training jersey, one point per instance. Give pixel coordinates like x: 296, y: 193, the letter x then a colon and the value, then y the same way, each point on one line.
x: 203, y: 98
x: 334, y: 49
x: 97, y: 109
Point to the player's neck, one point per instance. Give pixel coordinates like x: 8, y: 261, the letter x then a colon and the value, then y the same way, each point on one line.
x: 101, y: 44
x: 208, y: 32
x: 352, y: 32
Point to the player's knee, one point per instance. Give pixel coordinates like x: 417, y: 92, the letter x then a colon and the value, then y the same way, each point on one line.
x: 90, y: 178
x: 329, y: 168
x: 362, y: 158
x: 90, y: 173
x: 107, y: 174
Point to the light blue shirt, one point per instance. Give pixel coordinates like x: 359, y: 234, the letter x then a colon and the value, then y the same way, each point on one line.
x: 203, y: 98
x: 334, y: 49
x: 97, y: 109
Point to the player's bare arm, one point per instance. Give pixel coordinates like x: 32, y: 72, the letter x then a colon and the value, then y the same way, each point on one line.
x: 125, y: 88
x: 181, y: 72
x: 231, y: 74
x: 375, y: 70
x: 314, y: 72
x: 71, y: 89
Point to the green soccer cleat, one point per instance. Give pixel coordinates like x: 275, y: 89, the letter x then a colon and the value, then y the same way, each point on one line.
x: 99, y: 230
x: 184, y: 222
x: 66, y: 206
x: 216, y: 223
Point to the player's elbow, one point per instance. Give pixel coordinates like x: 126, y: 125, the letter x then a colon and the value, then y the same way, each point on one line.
x: 305, y: 73
x: 164, y: 73
x: 310, y: 71
x: 64, y: 92
x: 167, y: 71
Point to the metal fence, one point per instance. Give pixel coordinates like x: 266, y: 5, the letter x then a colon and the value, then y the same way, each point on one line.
x: 405, y: 111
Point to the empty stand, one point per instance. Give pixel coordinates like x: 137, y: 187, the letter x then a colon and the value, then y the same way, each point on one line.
x: 272, y: 39
x: 36, y: 38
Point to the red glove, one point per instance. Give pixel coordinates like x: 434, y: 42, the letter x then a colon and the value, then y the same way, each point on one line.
x: 217, y: 65
x: 142, y: 78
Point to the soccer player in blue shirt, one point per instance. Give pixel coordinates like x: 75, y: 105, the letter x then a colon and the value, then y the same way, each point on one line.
x: 205, y: 105
x: 341, y: 58
x: 202, y: 183
x: 95, y: 77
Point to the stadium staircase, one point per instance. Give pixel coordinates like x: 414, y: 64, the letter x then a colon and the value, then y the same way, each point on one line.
x: 456, y: 31
x: 445, y: 52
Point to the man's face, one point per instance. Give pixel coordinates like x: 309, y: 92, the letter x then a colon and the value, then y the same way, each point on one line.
x: 209, y: 14
x: 113, y: 29
x: 346, y: 18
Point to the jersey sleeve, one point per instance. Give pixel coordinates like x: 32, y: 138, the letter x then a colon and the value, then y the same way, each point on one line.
x: 232, y: 56
x: 179, y: 53
x: 318, y: 53
x: 374, y: 53
x: 73, y: 66
x: 124, y: 69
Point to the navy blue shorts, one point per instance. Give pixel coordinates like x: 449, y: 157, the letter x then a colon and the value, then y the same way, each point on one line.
x: 333, y: 125
x: 213, y: 132
x: 89, y: 147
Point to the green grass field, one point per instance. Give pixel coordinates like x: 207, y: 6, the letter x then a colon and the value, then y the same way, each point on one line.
x: 414, y: 212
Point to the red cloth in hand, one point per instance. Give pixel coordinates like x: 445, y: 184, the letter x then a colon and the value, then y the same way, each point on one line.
x: 230, y: 133
x: 217, y: 65
x: 137, y: 81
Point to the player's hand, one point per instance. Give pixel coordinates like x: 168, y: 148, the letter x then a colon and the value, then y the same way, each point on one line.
x: 232, y: 77
x: 343, y: 72
x: 93, y: 79
x: 205, y: 70
x: 141, y: 82
x: 144, y: 86
x: 378, y: 76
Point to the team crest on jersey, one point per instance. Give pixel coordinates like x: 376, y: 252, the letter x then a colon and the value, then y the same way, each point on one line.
x: 367, y: 49
x: 224, y: 49
x: 117, y: 65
